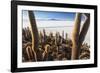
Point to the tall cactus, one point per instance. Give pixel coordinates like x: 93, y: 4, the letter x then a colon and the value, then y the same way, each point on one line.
x: 84, y: 29
x: 79, y: 36
x: 35, y: 35
x: 75, y: 37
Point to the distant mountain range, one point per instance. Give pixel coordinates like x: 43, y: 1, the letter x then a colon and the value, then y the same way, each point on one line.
x: 51, y: 19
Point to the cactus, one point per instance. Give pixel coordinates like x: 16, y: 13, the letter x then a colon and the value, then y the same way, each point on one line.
x: 84, y: 29
x: 35, y: 36
x: 79, y: 36
x: 75, y: 37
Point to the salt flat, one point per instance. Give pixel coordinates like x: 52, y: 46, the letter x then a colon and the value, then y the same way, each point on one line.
x: 57, y: 26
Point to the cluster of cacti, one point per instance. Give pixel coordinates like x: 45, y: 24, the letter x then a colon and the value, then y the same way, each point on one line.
x: 85, y: 51
x: 52, y: 47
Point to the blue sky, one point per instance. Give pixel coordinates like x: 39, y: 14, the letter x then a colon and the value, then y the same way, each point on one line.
x: 54, y: 15
x: 45, y: 15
